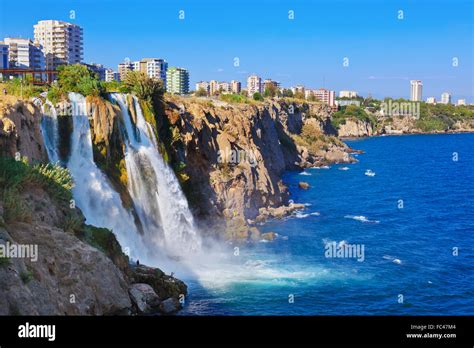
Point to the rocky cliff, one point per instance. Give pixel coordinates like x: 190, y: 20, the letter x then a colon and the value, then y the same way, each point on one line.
x: 67, y: 267
x: 20, y: 129
x: 232, y: 156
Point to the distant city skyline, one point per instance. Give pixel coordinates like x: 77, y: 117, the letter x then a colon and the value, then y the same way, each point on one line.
x: 367, y: 46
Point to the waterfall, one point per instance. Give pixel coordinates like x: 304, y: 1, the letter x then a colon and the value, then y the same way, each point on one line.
x: 49, y: 130
x: 99, y: 202
x: 160, y: 203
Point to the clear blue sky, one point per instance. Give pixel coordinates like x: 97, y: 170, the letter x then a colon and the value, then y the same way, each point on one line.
x: 384, y: 52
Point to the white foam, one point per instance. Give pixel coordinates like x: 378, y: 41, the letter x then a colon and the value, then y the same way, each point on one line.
x: 361, y: 218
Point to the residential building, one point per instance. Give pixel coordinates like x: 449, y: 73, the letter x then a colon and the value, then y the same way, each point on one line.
x: 123, y: 69
x: 431, y: 100
x: 326, y: 96
x: 152, y: 67
x: 298, y: 89
x: 269, y: 82
x: 99, y: 69
x: 62, y: 42
x: 224, y: 87
x: 111, y: 75
x: 461, y: 102
x: 177, y: 80
x: 347, y: 94
x: 235, y: 86
x: 3, y: 55
x: 213, y: 87
x: 445, y: 98
x: 254, y: 85
x: 203, y: 85
x: 24, y: 54
x: 416, y: 89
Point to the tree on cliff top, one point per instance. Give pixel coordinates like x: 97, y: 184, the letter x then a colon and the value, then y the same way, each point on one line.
x: 75, y: 78
x: 144, y: 87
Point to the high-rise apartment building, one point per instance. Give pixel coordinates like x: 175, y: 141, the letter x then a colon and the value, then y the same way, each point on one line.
x: 123, y: 69
x: 177, y: 80
x: 445, y: 98
x: 298, y: 89
x: 431, y: 100
x: 461, y: 102
x: 62, y: 42
x: 99, y: 69
x: 416, y: 89
x: 24, y: 54
x: 254, y: 85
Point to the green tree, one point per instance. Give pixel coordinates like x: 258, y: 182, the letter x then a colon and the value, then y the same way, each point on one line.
x: 257, y: 96
x: 271, y: 91
x: 287, y: 93
x: 144, y: 87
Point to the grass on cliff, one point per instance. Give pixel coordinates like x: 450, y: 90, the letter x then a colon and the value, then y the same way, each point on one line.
x: 22, y: 88
x: 314, y: 140
x: 16, y: 176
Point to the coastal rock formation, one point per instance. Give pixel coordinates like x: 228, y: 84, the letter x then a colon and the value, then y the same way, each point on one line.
x: 20, y: 129
x: 354, y: 129
x: 234, y: 154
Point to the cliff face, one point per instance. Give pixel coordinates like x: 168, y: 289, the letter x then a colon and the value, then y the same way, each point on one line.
x: 234, y: 154
x: 396, y: 126
x: 20, y: 129
x: 75, y: 269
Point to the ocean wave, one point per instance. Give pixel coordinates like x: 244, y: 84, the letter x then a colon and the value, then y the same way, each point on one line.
x: 361, y: 218
x: 343, y: 168
x: 393, y: 259
x: 305, y: 173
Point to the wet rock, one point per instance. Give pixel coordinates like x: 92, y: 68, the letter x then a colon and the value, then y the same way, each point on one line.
x: 170, y: 306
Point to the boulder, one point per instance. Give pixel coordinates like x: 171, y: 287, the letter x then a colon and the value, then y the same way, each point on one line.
x: 144, y: 298
x: 303, y: 185
x: 170, y: 306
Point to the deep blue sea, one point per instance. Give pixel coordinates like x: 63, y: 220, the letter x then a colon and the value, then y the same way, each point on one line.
x: 410, y: 217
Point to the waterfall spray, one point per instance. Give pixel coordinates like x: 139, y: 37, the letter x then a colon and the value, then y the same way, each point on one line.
x: 154, y: 188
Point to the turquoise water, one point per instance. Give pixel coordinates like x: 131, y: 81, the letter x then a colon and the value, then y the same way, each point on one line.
x: 408, y: 266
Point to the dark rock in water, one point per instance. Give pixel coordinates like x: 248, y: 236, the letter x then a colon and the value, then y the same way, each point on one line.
x: 303, y: 185
x: 254, y: 233
x: 144, y: 298
x: 170, y: 306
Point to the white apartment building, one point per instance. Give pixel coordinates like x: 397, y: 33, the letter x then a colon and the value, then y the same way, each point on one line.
x: 431, y: 100
x: 224, y: 87
x: 154, y: 68
x: 445, y: 98
x: 416, y: 90
x: 347, y: 94
x: 62, y: 42
x: 111, y: 75
x: 24, y: 54
x: 254, y: 85
x: 461, y: 102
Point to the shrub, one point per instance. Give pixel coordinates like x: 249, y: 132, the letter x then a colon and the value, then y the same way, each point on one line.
x: 234, y: 98
x: 257, y: 96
